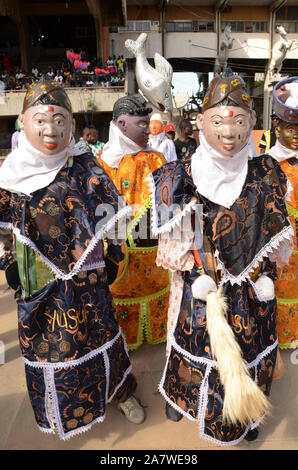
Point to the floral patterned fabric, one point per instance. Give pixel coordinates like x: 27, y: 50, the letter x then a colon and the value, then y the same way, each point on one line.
x: 74, y: 353
x: 287, y: 276
x: 242, y: 238
x: 141, y: 291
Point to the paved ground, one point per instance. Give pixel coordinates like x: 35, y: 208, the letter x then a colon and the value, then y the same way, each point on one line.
x: 19, y: 431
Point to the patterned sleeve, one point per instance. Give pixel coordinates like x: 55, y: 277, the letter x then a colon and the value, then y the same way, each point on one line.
x: 5, y: 208
x: 175, y: 252
x: 6, y: 239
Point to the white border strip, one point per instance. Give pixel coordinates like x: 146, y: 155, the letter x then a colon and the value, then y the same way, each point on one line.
x: 171, y: 223
x: 78, y: 265
x: 75, y: 362
x: 203, y: 394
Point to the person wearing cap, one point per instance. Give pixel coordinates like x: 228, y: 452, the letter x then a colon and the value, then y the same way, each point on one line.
x: 268, y: 138
x: 141, y: 290
x: 158, y: 139
x: 54, y: 199
x: 170, y: 131
x: 285, y: 152
x: 226, y: 219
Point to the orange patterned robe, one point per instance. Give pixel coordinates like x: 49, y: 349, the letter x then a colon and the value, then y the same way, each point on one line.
x: 286, y: 285
x: 141, y: 290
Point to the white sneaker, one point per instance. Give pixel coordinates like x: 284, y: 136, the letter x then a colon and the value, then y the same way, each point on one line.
x: 132, y: 410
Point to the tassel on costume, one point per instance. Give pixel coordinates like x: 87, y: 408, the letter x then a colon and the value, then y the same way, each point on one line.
x: 244, y: 401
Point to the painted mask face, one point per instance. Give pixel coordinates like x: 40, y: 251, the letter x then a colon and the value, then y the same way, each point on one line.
x: 156, y: 127
x: 287, y: 135
x: 136, y: 128
x: 226, y: 128
x: 48, y: 128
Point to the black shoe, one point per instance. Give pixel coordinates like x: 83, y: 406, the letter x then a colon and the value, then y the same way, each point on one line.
x: 252, y: 435
x: 172, y: 414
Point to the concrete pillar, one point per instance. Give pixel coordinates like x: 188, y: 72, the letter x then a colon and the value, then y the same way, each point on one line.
x: 24, y: 44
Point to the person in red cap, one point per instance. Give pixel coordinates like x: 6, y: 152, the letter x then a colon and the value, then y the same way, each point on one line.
x: 170, y: 131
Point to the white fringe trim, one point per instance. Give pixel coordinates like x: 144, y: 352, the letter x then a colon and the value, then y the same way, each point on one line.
x: 285, y: 233
x: 167, y: 227
x: 78, y: 265
x: 52, y: 405
x: 163, y: 393
x: 203, y: 393
x: 46, y: 430
x: 74, y: 362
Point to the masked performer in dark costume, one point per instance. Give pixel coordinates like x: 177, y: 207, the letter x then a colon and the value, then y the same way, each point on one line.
x: 223, y: 342
x: 60, y: 204
x: 141, y: 290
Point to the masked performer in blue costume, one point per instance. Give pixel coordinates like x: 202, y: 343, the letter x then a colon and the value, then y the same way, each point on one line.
x: 60, y: 204
x: 222, y: 345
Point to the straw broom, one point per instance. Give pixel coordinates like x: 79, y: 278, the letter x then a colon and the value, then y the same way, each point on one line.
x: 244, y: 401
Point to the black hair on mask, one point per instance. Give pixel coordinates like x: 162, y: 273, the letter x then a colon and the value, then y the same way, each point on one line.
x: 131, y: 105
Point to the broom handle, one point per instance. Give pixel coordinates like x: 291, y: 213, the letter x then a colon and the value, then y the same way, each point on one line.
x: 199, y: 254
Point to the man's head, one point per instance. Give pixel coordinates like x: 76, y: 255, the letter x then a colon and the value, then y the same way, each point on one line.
x: 170, y: 131
x: 274, y: 120
x: 131, y: 116
x: 185, y: 127
x: 46, y: 118
x: 227, y: 117
x: 90, y: 134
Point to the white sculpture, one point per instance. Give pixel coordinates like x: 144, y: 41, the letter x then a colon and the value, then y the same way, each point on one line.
x: 279, y: 53
x: 154, y: 83
x: 226, y: 44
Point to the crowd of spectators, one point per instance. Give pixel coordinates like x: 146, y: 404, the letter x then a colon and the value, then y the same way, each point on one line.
x: 112, y: 73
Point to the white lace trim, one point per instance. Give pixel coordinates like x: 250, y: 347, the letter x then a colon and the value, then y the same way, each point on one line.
x: 167, y: 227
x: 213, y: 363
x: 163, y: 393
x: 46, y: 430
x: 52, y: 405
x: 51, y: 402
x: 88, y: 267
x: 74, y: 362
x: 290, y: 188
x: 78, y: 265
x: 285, y: 233
x: 203, y: 394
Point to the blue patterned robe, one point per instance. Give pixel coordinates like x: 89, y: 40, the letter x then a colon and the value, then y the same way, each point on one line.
x: 74, y: 352
x: 242, y: 237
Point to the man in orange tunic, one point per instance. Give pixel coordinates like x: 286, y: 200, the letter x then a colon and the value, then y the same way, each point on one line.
x: 285, y: 151
x: 141, y: 290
